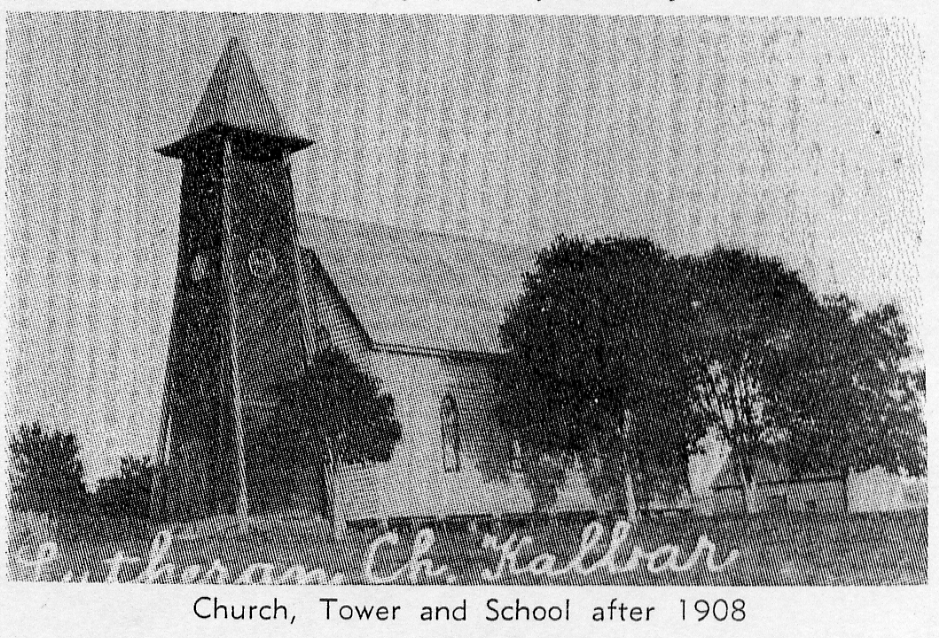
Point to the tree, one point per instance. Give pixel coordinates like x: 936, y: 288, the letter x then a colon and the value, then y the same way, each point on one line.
x: 852, y: 396
x: 47, y: 473
x: 595, y: 369
x: 749, y: 307
x: 333, y: 413
x: 126, y: 495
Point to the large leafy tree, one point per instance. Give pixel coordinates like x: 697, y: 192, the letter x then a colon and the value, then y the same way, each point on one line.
x: 852, y: 393
x: 749, y: 309
x: 333, y: 413
x: 47, y: 473
x: 817, y: 386
x: 596, y: 369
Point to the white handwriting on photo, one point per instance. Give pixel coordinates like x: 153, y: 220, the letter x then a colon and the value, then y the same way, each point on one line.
x: 416, y: 568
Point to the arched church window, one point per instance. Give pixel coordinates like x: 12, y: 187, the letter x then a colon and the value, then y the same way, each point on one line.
x: 200, y: 267
x: 515, y: 457
x: 450, y: 433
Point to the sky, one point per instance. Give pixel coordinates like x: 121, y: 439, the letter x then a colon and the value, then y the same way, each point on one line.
x: 799, y: 138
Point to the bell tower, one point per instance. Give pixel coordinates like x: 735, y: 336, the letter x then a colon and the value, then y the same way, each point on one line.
x: 239, y: 324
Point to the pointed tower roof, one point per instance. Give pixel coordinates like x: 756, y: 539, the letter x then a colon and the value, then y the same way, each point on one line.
x: 235, y: 99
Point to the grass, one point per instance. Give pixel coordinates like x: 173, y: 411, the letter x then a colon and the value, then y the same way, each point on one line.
x: 778, y: 549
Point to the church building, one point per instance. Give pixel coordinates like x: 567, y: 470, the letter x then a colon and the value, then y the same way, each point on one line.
x: 255, y: 298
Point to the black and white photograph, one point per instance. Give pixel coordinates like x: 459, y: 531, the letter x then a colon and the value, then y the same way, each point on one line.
x: 482, y: 300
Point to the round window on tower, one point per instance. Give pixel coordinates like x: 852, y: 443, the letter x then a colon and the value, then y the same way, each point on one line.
x: 262, y: 264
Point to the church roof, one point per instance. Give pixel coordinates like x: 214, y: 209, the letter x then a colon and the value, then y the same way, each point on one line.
x: 235, y: 99
x: 420, y: 290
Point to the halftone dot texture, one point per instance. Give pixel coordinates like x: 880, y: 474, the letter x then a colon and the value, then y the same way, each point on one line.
x: 235, y: 97
x: 446, y: 149
x: 794, y: 550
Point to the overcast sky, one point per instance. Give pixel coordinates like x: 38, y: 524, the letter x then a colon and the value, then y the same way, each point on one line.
x: 799, y: 138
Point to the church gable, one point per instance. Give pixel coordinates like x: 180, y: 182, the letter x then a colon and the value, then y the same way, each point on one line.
x: 328, y: 311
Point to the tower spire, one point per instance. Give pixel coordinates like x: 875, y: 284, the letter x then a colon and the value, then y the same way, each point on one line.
x: 236, y: 101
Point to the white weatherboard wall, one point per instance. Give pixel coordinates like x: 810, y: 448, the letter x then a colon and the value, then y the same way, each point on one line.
x: 413, y: 483
x: 872, y: 491
x: 875, y: 491
x: 806, y: 496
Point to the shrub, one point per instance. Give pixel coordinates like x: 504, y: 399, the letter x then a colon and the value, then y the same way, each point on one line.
x: 46, y: 472
x: 126, y: 495
x: 335, y: 412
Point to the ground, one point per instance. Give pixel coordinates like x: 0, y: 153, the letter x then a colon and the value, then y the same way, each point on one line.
x: 779, y: 549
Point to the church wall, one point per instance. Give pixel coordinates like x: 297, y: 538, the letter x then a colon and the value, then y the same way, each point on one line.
x: 413, y: 482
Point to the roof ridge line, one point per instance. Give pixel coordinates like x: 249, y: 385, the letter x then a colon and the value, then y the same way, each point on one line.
x: 425, y: 231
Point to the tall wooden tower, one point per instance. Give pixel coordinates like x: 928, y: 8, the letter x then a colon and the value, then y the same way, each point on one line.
x: 239, y: 323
